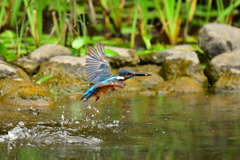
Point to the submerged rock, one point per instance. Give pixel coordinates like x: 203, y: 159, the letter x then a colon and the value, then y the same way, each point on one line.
x: 25, y: 94
x: 221, y: 64
x: 47, y: 51
x: 216, y: 39
x: 180, y: 85
x: 125, y: 57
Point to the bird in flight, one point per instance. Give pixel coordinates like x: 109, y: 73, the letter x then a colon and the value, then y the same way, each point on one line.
x: 97, y: 69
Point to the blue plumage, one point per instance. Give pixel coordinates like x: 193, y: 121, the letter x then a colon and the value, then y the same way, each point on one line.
x: 98, y: 72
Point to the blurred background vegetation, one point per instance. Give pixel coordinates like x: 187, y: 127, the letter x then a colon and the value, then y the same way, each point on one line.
x: 147, y: 25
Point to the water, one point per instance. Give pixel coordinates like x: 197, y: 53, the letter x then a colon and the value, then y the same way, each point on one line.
x: 127, y: 127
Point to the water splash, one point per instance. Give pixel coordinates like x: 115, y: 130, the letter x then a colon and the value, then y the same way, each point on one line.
x: 43, y: 135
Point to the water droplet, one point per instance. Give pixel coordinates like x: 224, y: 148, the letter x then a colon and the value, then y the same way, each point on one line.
x: 21, y: 123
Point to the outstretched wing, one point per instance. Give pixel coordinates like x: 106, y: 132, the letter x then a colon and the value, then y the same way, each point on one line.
x: 96, y: 65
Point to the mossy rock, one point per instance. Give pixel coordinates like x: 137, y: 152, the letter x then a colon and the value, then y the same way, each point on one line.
x: 7, y: 85
x: 177, y: 68
x: 229, y: 81
x: 28, y: 65
x: 25, y: 95
x: 61, y: 69
x: 221, y: 64
x: 180, y: 85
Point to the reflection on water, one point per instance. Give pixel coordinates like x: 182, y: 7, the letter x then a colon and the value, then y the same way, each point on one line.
x: 126, y: 127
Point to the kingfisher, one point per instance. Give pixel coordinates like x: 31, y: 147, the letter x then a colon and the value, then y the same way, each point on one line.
x: 98, y: 72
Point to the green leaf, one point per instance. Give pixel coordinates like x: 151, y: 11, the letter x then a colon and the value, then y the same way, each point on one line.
x: 197, y: 48
x: 78, y: 43
x: 3, y: 50
x: 203, y: 66
x: 44, y: 79
x: 104, y: 4
x: 147, y: 41
x: 110, y: 53
x: 142, y: 52
x: 8, y: 34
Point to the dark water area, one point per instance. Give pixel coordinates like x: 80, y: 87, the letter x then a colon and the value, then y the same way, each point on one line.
x: 126, y: 126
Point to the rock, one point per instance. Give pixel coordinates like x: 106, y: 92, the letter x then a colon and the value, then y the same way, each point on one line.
x: 28, y: 65
x: 7, y: 71
x: 69, y: 66
x: 25, y: 95
x: 149, y: 68
x: 21, y: 74
x: 148, y: 83
x: 47, y: 51
x: 221, y: 64
x: 69, y: 60
x: 182, y: 61
x: 10, y: 71
x: 178, y: 52
x: 125, y: 57
x: 216, y: 39
x: 9, y: 84
x: 178, y: 68
x: 229, y: 81
x: 180, y: 85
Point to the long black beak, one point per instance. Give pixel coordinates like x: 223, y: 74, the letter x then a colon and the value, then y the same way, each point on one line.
x: 142, y: 74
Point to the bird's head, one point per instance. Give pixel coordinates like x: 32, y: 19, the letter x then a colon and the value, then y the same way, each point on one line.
x: 127, y: 74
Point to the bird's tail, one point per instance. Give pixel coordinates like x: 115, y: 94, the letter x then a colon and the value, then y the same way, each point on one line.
x: 87, y: 95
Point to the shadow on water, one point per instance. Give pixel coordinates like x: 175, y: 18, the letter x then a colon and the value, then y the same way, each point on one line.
x: 126, y: 127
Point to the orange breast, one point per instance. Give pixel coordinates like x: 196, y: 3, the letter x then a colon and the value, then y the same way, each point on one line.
x: 104, y: 90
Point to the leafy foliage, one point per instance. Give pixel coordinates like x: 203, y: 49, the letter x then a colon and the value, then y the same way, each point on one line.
x: 27, y: 24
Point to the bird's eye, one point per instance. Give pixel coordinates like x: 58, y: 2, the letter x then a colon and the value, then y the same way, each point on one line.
x: 129, y: 74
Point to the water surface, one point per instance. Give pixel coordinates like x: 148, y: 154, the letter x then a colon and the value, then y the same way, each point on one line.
x: 126, y: 126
